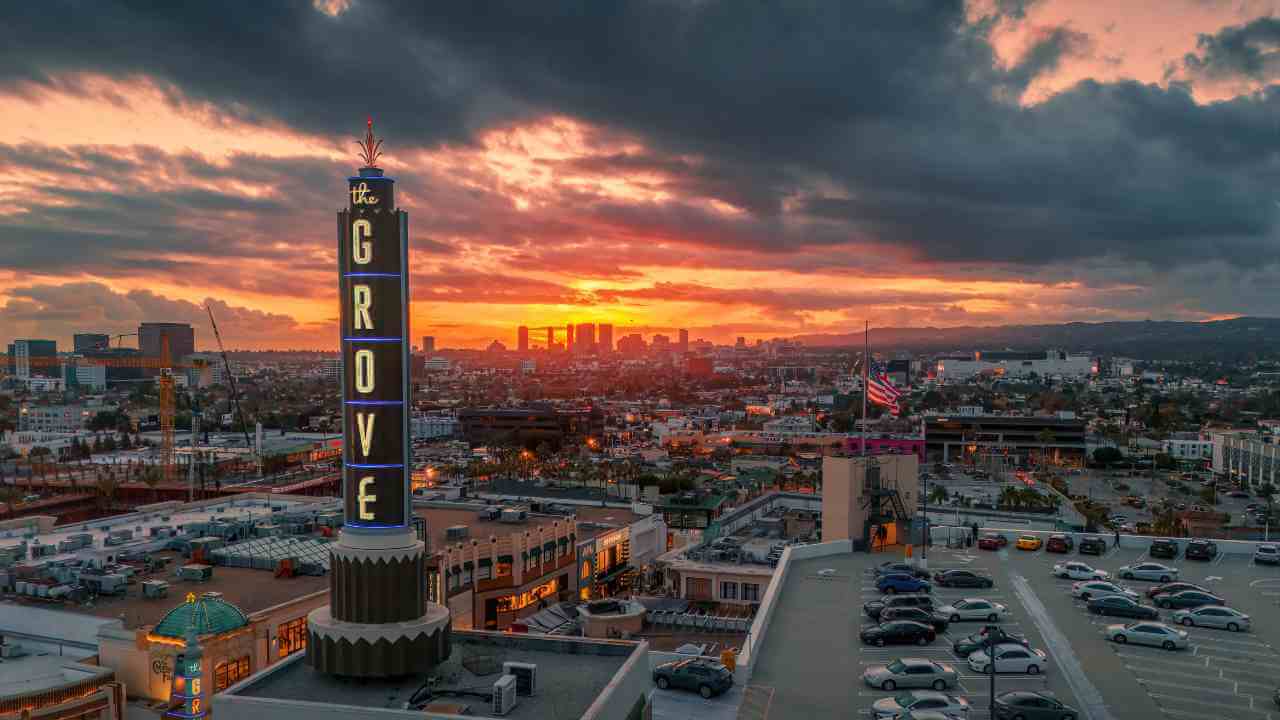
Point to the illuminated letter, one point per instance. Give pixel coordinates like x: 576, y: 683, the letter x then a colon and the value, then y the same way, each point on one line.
x: 362, y: 298
x: 366, y: 431
x: 361, y: 248
x: 195, y: 686
x: 195, y: 706
x: 364, y: 371
x: 363, y: 500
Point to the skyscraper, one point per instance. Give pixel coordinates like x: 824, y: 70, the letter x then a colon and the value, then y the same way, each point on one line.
x: 89, y: 342
x: 684, y: 341
x: 34, y: 358
x: 428, y: 344
x: 586, y: 338
x: 522, y: 339
x: 606, y: 337
x: 568, y: 337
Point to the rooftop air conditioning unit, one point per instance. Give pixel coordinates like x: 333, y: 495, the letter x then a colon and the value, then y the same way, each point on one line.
x: 526, y: 675
x: 504, y: 695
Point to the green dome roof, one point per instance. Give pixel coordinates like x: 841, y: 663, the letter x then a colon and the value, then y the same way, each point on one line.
x: 212, y: 615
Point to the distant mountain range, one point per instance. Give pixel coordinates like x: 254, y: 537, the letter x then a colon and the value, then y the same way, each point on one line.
x: 1215, y: 340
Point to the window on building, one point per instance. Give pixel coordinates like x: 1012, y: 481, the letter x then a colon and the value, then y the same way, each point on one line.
x: 504, y: 569
x: 292, y: 636
x: 586, y: 570
x: 728, y: 591
x: 751, y: 592
x: 230, y: 672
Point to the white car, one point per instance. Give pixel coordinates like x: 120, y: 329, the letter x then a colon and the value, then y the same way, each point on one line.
x: 1151, y: 571
x: 1100, y: 588
x: 1148, y: 633
x: 1011, y: 658
x: 1267, y: 555
x: 973, y: 609
x: 1079, y: 571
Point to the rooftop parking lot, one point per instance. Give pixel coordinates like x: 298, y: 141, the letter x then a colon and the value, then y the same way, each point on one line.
x: 812, y: 659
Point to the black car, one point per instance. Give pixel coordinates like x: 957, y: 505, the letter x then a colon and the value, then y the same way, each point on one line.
x: 1121, y: 606
x: 1093, y: 546
x: 915, y: 614
x: 1187, y: 599
x: 899, y: 632
x: 895, y: 568
x: 873, y: 608
x: 962, y: 578
x: 1032, y: 705
x: 964, y: 647
x: 706, y: 677
x: 1163, y: 549
x: 1202, y: 550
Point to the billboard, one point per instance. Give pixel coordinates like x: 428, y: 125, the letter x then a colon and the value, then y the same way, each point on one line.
x: 374, y: 290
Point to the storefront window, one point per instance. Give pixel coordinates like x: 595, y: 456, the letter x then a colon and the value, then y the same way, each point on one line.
x: 586, y: 570
x: 292, y: 636
x: 510, y: 603
x: 226, y: 674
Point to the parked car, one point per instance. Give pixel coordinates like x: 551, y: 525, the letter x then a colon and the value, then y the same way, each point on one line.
x: 899, y: 632
x: 894, y: 567
x: 873, y: 608
x: 1033, y: 705
x: 897, y: 583
x: 964, y: 647
x: 992, y: 541
x: 1060, y: 544
x: 962, y: 578
x: 1100, y: 588
x: 1010, y: 659
x: 1187, y: 599
x: 1238, y: 494
x: 1267, y: 555
x: 1122, y: 606
x: 1093, y: 546
x: 920, y: 615
x: 1173, y: 587
x: 915, y: 701
x: 706, y: 677
x: 1148, y: 633
x: 1079, y: 571
x: 1213, y: 616
x: 973, y: 609
x: 911, y: 673
x: 1166, y: 549
x: 1202, y: 550
x: 1029, y: 542
x: 1154, y: 572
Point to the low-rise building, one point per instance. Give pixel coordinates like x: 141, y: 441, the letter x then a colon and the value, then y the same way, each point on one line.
x: 54, y: 418
x: 1188, y: 446
x: 1246, y: 458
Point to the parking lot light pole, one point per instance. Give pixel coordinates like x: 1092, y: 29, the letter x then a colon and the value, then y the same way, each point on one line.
x: 991, y: 664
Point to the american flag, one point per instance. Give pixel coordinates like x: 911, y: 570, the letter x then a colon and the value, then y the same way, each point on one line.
x: 880, y: 389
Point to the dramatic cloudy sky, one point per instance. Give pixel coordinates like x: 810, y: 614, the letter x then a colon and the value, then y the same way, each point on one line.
x: 737, y: 167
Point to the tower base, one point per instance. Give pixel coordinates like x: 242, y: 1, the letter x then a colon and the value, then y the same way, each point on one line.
x: 382, y: 650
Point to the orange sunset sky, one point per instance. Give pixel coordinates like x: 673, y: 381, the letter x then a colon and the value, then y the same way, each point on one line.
x: 733, y: 168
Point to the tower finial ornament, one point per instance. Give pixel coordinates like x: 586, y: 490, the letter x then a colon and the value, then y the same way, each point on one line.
x: 370, y: 149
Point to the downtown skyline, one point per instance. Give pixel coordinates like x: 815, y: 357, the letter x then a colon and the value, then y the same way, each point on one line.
x: 684, y: 166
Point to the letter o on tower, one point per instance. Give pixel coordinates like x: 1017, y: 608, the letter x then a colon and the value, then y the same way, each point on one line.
x: 364, y: 371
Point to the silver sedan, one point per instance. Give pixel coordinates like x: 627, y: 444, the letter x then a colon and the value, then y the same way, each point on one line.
x: 1101, y: 588
x: 1154, y: 572
x: 911, y: 673
x: 1148, y: 633
x: 973, y: 609
x: 918, y: 701
x: 1213, y: 616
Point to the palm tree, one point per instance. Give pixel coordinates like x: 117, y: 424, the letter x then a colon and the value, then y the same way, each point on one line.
x: 1044, y: 437
x: 1267, y: 490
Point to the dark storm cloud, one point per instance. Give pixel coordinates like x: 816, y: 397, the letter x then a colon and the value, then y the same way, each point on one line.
x: 1249, y: 51
x: 883, y: 122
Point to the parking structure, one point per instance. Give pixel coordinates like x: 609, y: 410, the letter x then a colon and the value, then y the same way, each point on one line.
x: 973, y: 686
x: 1221, y: 674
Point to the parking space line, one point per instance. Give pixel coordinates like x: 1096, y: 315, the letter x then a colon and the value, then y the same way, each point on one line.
x: 1216, y: 708
x: 1200, y: 689
x: 1218, y: 560
x: 1152, y: 658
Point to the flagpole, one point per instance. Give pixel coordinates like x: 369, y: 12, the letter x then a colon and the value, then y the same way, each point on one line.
x: 866, y: 369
